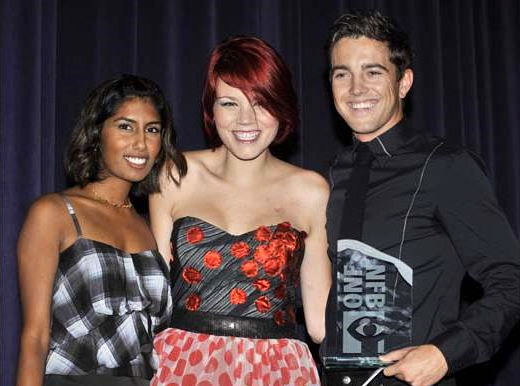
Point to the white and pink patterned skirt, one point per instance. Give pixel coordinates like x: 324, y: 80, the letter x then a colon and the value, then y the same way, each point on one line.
x: 196, y: 359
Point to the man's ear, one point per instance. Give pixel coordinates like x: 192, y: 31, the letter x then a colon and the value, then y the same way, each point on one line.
x: 405, y: 84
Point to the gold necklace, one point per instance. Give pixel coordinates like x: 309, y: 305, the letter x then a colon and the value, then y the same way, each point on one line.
x: 127, y: 204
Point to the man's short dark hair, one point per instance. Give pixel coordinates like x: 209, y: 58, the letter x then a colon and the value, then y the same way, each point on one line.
x: 373, y: 25
x: 83, y: 159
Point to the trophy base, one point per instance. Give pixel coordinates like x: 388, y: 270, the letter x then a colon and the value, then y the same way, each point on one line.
x: 337, y: 362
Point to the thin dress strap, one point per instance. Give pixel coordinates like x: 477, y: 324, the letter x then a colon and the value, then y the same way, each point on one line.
x: 72, y: 213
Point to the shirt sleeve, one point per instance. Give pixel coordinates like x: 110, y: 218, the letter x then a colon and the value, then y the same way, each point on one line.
x: 490, y: 253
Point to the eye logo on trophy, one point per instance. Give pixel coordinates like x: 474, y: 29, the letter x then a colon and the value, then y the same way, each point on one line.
x: 373, y: 310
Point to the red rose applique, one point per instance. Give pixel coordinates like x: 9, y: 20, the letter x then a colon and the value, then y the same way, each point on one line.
x: 193, y: 302
x: 263, y: 233
x: 212, y: 259
x: 263, y: 304
x: 290, y: 239
x: 191, y: 275
x: 240, y: 249
x: 194, y: 235
x: 279, y: 291
x: 278, y: 250
x: 262, y: 253
x: 273, y: 266
x: 279, y: 317
x: 237, y: 296
x: 262, y: 284
x: 284, y: 226
x: 249, y: 268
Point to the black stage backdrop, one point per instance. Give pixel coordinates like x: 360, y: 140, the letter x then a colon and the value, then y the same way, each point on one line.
x: 467, y: 88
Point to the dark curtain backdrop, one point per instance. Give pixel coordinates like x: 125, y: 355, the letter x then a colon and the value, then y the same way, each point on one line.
x: 467, y: 88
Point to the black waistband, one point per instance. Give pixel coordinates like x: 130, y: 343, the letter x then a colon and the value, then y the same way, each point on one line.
x: 215, y: 324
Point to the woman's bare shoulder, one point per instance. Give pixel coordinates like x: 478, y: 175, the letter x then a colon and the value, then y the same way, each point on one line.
x: 177, y: 188
x: 48, y: 205
x: 48, y: 214
x: 307, y: 190
x: 305, y: 181
x: 203, y: 161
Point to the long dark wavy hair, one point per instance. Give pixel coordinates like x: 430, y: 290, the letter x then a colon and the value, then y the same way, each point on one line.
x: 83, y: 159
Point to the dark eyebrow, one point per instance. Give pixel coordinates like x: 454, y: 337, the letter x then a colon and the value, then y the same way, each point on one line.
x: 375, y: 65
x: 134, y: 121
x: 339, y: 67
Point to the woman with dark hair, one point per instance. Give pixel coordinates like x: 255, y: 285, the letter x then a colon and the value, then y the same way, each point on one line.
x: 247, y: 233
x: 94, y: 288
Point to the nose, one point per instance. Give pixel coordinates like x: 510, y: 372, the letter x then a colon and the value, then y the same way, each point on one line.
x: 357, y: 86
x: 139, y: 140
x: 247, y: 114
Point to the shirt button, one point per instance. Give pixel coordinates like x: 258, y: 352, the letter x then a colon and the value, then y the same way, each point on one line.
x: 346, y: 380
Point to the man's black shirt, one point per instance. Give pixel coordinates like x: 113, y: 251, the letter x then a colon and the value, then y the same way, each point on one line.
x: 432, y: 204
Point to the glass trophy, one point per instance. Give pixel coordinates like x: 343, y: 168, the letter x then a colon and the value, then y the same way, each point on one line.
x: 369, y: 311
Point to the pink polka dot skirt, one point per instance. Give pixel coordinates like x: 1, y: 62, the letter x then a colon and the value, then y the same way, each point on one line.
x: 193, y: 359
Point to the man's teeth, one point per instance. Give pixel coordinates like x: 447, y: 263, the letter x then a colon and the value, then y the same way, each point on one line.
x: 246, y: 135
x: 136, y: 160
x: 362, y: 105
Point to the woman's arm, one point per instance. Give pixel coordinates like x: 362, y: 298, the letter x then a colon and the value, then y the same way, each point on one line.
x: 160, y: 206
x: 38, y: 255
x: 315, y: 271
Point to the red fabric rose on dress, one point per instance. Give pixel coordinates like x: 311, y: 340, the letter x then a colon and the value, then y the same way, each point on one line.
x: 262, y: 284
x: 249, y: 268
x: 278, y: 250
x: 240, y: 249
x: 191, y: 275
x: 279, y: 291
x: 194, y: 235
x: 279, y: 317
x: 212, y: 259
x: 290, y: 239
x: 284, y: 226
x: 263, y: 233
x: 273, y: 266
x: 193, y: 302
x: 237, y: 296
x: 263, y: 304
x: 262, y: 253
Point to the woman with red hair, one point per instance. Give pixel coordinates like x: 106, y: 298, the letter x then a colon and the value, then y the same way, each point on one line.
x: 245, y: 233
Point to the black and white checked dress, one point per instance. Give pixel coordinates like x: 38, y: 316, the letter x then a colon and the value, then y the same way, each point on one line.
x: 107, y: 306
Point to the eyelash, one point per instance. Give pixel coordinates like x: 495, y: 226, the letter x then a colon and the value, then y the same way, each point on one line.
x: 154, y: 130
x: 227, y: 104
x: 233, y: 104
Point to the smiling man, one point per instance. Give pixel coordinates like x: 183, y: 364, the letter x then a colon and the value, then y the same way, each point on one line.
x: 417, y: 207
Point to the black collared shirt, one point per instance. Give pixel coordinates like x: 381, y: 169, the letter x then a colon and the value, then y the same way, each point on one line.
x: 454, y: 226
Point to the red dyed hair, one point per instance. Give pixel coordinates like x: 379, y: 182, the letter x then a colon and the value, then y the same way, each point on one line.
x: 253, y: 66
